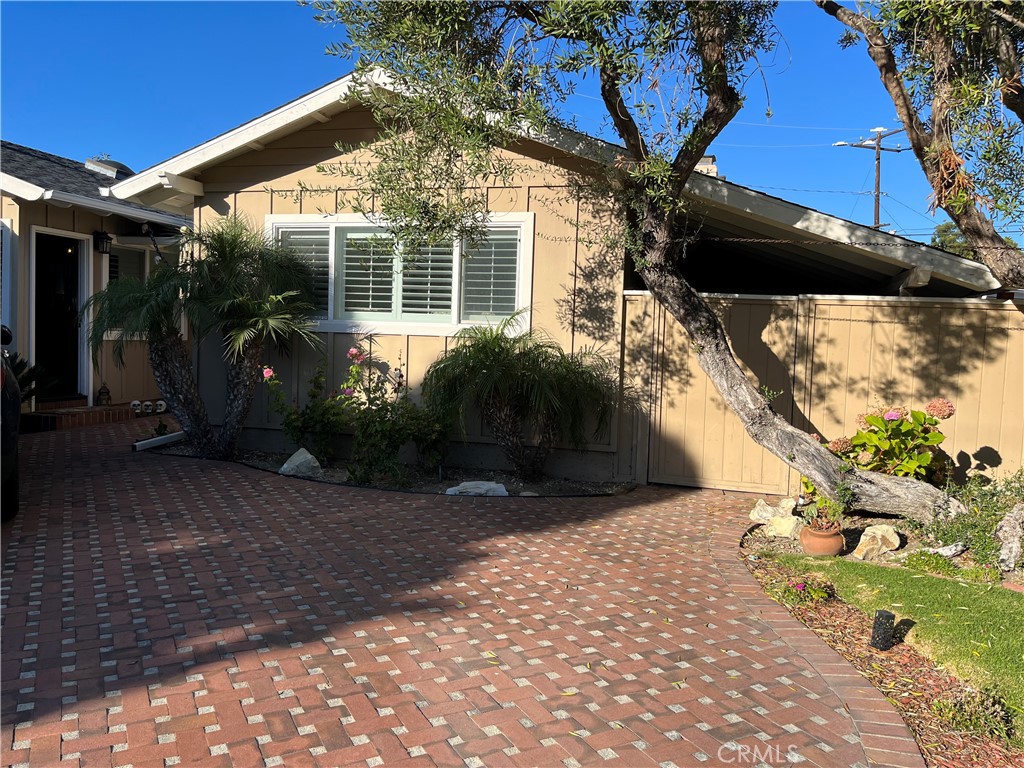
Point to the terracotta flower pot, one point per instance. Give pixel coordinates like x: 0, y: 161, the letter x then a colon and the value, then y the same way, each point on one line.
x: 815, y: 542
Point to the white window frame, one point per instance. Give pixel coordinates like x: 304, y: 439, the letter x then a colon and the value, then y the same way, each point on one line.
x: 523, y: 222
x: 112, y: 335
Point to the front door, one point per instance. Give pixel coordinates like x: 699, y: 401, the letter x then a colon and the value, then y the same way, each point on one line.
x: 56, y: 310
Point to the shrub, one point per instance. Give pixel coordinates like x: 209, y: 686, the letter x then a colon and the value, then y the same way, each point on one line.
x: 896, y: 441
x: 385, y: 421
x: 373, y: 402
x: 527, y: 388
x: 318, y: 424
x: 987, y: 503
x: 978, y: 712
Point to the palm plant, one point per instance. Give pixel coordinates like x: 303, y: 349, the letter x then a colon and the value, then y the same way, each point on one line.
x: 231, y: 283
x: 525, y: 386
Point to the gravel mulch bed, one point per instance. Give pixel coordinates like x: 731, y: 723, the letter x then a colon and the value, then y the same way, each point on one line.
x: 908, y: 679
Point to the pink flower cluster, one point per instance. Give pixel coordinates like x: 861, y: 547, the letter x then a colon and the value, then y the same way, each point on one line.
x: 356, y: 355
x: 888, y: 412
x: 940, y: 408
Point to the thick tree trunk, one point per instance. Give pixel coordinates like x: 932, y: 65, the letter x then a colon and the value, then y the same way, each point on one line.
x: 527, y: 460
x: 243, y: 375
x: 172, y: 367
x: 873, y: 492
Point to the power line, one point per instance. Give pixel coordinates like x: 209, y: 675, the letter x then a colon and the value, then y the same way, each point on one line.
x: 817, y: 191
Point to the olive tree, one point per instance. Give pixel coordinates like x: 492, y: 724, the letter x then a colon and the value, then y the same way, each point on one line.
x: 465, y: 79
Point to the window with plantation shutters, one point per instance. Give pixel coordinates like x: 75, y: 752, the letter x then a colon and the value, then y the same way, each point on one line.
x: 314, y: 245
x: 365, y: 273
x: 489, y: 276
x: 365, y: 281
x: 427, y: 283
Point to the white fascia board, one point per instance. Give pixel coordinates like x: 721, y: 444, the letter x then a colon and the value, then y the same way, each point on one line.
x: 886, y: 247
x: 15, y: 187
x: 113, y: 208
x: 210, y: 152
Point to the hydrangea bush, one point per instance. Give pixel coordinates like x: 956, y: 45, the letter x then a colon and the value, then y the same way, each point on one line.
x: 894, y: 440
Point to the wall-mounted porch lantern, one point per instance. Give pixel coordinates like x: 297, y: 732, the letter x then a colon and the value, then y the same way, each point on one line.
x: 102, y: 242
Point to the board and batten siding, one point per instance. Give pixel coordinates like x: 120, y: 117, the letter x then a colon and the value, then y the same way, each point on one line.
x: 574, y: 293
x: 833, y: 358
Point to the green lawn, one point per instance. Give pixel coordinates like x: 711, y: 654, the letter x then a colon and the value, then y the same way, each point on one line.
x: 974, y: 630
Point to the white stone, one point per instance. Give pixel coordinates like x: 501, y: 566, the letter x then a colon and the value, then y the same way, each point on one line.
x: 301, y: 464
x: 477, y: 488
x: 784, y: 527
x: 763, y: 512
x: 876, y: 540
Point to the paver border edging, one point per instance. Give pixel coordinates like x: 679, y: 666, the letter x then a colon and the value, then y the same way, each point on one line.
x: 886, y: 738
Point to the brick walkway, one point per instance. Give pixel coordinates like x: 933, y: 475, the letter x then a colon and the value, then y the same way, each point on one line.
x: 160, y: 611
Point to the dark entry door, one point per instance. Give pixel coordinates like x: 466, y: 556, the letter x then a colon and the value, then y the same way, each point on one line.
x: 57, y: 294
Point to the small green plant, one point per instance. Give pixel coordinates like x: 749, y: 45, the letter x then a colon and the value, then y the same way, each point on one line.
x: 987, y: 503
x: 821, y: 513
x: 824, y: 514
x: 801, y: 591
x: 33, y: 380
x: 978, y: 712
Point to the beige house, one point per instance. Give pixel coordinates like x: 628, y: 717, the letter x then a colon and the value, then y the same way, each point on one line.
x: 769, y: 263
x: 64, y: 238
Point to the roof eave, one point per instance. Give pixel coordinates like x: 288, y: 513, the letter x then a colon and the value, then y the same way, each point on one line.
x: 832, y: 230
x: 247, y: 135
x: 26, y: 190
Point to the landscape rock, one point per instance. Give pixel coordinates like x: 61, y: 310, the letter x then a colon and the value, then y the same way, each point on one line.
x: 784, y: 527
x: 529, y: 493
x: 876, y: 540
x: 1010, y: 533
x: 950, y: 550
x: 763, y: 511
x: 477, y: 488
x: 301, y: 464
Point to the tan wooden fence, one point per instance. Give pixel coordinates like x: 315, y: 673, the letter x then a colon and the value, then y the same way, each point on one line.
x: 831, y: 358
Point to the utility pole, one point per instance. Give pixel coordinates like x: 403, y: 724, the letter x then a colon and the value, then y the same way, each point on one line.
x: 876, y: 145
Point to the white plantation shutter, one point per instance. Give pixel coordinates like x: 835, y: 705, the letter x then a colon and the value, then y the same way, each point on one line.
x: 365, y: 264
x: 489, y: 273
x: 313, y: 245
x: 427, y: 284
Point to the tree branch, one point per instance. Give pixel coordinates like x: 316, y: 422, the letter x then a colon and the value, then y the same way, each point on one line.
x: 933, y: 148
x: 723, y: 102
x: 1008, y: 65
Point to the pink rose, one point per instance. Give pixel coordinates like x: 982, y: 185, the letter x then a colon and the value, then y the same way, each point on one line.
x: 348, y: 391
x: 353, y: 353
x: 268, y: 373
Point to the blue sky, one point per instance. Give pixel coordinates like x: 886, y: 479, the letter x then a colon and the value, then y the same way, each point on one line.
x: 143, y: 81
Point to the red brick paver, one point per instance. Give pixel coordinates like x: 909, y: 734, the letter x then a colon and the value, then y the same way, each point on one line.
x: 159, y: 610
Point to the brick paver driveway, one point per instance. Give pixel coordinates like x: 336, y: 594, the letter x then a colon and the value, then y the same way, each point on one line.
x: 160, y: 610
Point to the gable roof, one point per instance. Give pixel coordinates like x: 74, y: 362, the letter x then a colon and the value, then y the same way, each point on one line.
x: 805, y: 233
x: 31, y: 174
